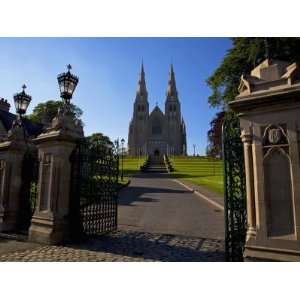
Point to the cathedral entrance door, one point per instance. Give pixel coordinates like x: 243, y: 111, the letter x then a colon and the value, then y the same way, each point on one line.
x: 156, y: 153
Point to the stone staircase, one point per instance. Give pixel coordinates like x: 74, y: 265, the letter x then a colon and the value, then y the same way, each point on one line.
x: 154, y: 164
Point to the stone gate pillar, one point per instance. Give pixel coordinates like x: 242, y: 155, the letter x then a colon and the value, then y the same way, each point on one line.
x: 269, y: 110
x: 50, y: 222
x: 11, y: 159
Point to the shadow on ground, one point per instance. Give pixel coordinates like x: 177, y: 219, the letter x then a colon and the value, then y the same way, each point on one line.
x: 157, y: 247
x: 135, y: 193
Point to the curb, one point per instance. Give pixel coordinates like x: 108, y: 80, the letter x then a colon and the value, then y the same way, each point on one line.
x: 212, y: 202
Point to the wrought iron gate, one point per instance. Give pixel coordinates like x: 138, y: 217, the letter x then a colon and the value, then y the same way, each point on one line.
x: 30, y: 169
x: 234, y: 189
x: 94, y: 189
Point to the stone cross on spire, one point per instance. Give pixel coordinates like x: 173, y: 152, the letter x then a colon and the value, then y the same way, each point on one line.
x: 172, y: 90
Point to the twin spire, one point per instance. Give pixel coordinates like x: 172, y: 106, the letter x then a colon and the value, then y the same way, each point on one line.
x: 171, y: 90
x: 142, y: 90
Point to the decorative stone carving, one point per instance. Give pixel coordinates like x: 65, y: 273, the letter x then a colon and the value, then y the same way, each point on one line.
x: 269, y: 103
x: 274, y: 135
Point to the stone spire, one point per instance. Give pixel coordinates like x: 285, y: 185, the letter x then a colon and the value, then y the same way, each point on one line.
x: 172, y: 91
x: 141, y: 89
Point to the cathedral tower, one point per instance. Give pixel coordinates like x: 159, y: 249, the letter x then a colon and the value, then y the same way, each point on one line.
x: 173, y: 115
x: 138, y: 124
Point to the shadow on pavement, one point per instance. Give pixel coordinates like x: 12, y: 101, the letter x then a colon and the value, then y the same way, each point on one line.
x: 158, y: 247
x: 135, y: 193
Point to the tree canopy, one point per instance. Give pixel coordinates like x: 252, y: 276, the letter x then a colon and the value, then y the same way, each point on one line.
x: 214, y: 136
x: 99, y: 139
x: 245, y: 54
x: 46, y: 111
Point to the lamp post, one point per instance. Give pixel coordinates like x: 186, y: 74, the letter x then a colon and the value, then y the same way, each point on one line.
x: 67, y: 84
x: 122, y: 173
x: 117, y: 151
x: 117, y: 145
x: 22, y: 101
x: 194, y: 145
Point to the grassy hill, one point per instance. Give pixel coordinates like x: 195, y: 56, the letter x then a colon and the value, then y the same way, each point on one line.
x: 131, y: 166
x: 200, y: 170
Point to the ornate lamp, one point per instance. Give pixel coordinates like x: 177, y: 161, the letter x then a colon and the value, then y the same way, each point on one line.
x: 22, y: 101
x: 67, y: 84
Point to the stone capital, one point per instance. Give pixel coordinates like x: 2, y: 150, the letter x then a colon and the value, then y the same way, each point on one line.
x: 246, y: 136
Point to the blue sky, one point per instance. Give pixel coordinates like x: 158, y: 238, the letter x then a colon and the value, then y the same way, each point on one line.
x: 108, y: 70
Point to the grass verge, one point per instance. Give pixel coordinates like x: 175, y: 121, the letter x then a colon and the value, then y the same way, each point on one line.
x: 201, y: 171
x: 131, y: 166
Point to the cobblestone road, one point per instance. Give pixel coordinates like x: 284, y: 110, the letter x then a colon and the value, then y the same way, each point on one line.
x: 127, y: 246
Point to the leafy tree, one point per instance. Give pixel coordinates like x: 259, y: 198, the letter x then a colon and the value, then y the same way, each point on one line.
x: 46, y: 111
x: 245, y: 54
x: 214, y: 136
x: 99, y: 139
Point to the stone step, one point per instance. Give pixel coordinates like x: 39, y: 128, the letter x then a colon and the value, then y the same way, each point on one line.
x: 155, y: 165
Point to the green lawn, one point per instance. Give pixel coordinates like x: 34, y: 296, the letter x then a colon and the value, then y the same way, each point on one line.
x: 202, y: 171
x: 131, y: 166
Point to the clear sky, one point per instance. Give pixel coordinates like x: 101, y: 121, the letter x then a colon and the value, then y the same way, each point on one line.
x: 108, y: 70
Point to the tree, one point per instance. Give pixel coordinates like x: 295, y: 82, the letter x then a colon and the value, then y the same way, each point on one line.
x: 214, y: 136
x: 46, y: 111
x: 99, y: 139
x: 245, y: 54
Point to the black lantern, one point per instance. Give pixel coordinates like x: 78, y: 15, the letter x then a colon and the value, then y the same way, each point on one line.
x: 67, y: 84
x: 22, y: 101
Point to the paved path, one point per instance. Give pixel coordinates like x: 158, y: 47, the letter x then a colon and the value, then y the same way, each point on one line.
x: 125, y: 246
x: 159, y: 220
x: 155, y: 203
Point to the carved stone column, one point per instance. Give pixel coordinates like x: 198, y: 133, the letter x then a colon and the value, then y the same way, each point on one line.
x: 11, y: 158
x: 50, y: 222
x: 251, y: 218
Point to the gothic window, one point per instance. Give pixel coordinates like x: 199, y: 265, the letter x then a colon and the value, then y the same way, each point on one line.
x: 138, y: 108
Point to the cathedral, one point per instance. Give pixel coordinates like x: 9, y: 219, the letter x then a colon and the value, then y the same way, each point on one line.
x: 157, y: 133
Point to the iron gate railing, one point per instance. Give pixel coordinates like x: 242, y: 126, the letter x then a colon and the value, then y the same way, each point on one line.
x: 28, y: 196
x: 234, y: 189
x: 94, y: 189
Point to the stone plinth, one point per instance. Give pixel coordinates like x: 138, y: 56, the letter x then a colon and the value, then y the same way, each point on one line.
x: 269, y: 112
x: 11, y: 159
x: 50, y: 222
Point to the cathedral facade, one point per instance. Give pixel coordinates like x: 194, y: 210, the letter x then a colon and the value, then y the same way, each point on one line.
x: 157, y: 133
